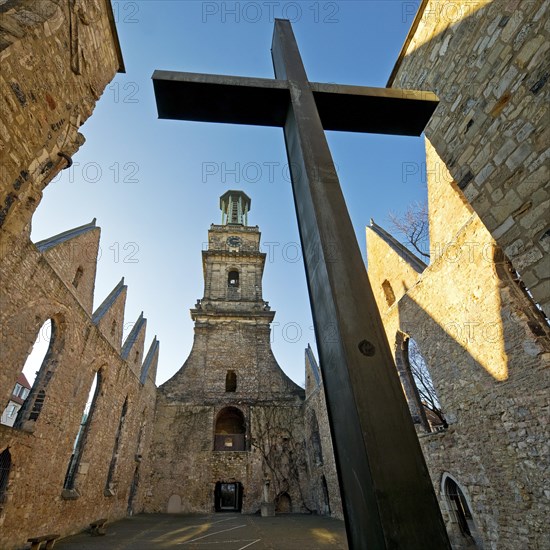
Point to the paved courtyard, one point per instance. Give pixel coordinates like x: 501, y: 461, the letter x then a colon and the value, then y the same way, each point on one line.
x: 214, y: 532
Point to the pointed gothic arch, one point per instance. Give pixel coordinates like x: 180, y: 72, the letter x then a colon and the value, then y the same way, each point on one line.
x: 316, y: 446
x: 83, y: 431
x: 110, y: 485
x: 460, y: 508
x: 417, y: 383
x: 44, y: 356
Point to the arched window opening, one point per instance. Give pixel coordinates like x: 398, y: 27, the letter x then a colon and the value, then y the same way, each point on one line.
x: 231, y: 381
x: 388, y: 292
x: 230, y: 430
x: 78, y: 276
x: 38, y: 370
x: 113, y: 327
x: 538, y: 320
x: 431, y: 412
x: 110, y: 488
x: 5, y: 468
x: 326, y: 497
x: 316, y: 447
x: 460, y: 509
x: 134, y: 487
x: 81, y: 436
x: 233, y: 279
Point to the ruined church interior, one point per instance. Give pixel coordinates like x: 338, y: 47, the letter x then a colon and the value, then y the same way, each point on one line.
x: 94, y: 447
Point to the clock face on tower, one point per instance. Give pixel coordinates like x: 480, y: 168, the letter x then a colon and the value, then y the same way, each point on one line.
x: 234, y: 241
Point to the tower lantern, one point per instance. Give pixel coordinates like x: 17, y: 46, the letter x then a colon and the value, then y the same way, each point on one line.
x: 235, y: 206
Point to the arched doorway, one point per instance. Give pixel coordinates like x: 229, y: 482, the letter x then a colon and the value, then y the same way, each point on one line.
x: 283, y: 504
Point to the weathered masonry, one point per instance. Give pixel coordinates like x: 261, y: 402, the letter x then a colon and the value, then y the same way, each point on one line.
x: 78, y: 447
x: 229, y: 426
x: 57, y: 57
x: 486, y: 348
x: 488, y: 63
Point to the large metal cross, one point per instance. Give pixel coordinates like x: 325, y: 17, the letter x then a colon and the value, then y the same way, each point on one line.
x: 389, y: 501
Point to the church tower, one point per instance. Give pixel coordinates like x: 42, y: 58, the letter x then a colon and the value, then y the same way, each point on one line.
x: 229, y: 423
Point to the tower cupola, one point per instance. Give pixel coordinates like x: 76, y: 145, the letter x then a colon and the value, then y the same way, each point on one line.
x: 235, y: 206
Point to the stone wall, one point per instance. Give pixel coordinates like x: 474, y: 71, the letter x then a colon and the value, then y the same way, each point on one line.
x: 186, y: 463
x: 230, y: 367
x: 56, y: 62
x: 487, y: 348
x: 323, y: 478
x: 38, y: 283
x: 488, y: 63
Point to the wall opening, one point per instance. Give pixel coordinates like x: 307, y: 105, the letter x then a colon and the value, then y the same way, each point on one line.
x: 460, y: 511
x: 78, y: 276
x: 230, y: 430
x: 538, y: 321
x: 82, y: 435
x: 388, y: 292
x: 38, y: 369
x: 283, y: 503
x: 326, y: 511
x: 110, y: 486
x: 228, y: 497
x: 133, y: 492
x: 422, y: 390
x: 233, y: 279
x: 231, y: 381
x: 316, y: 447
x: 5, y: 469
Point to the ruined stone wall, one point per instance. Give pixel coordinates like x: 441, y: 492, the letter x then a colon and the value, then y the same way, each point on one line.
x: 323, y: 478
x: 55, y: 63
x: 488, y: 63
x: 185, y: 462
x: 41, y: 445
x: 187, y: 467
x: 488, y: 351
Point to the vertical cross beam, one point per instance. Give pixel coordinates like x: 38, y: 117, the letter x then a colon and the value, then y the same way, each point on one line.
x: 387, y: 494
x: 388, y: 498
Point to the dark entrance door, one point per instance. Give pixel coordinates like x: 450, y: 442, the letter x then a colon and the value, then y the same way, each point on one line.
x: 228, y: 497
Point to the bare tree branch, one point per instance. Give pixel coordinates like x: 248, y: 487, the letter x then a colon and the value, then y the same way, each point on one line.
x: 413, y: 225
x: 424, y: 382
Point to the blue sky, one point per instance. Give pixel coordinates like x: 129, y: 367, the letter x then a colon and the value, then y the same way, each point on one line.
x: 153, y: 185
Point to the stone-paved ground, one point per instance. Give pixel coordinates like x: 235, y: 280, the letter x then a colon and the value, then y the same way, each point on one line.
x: 214, y: 532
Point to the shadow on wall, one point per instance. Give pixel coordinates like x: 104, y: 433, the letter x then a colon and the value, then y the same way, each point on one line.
x: 484, y: 447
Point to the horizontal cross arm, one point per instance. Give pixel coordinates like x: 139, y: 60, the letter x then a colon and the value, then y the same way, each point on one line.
x: 373, y: 110
x: 220, y: 98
